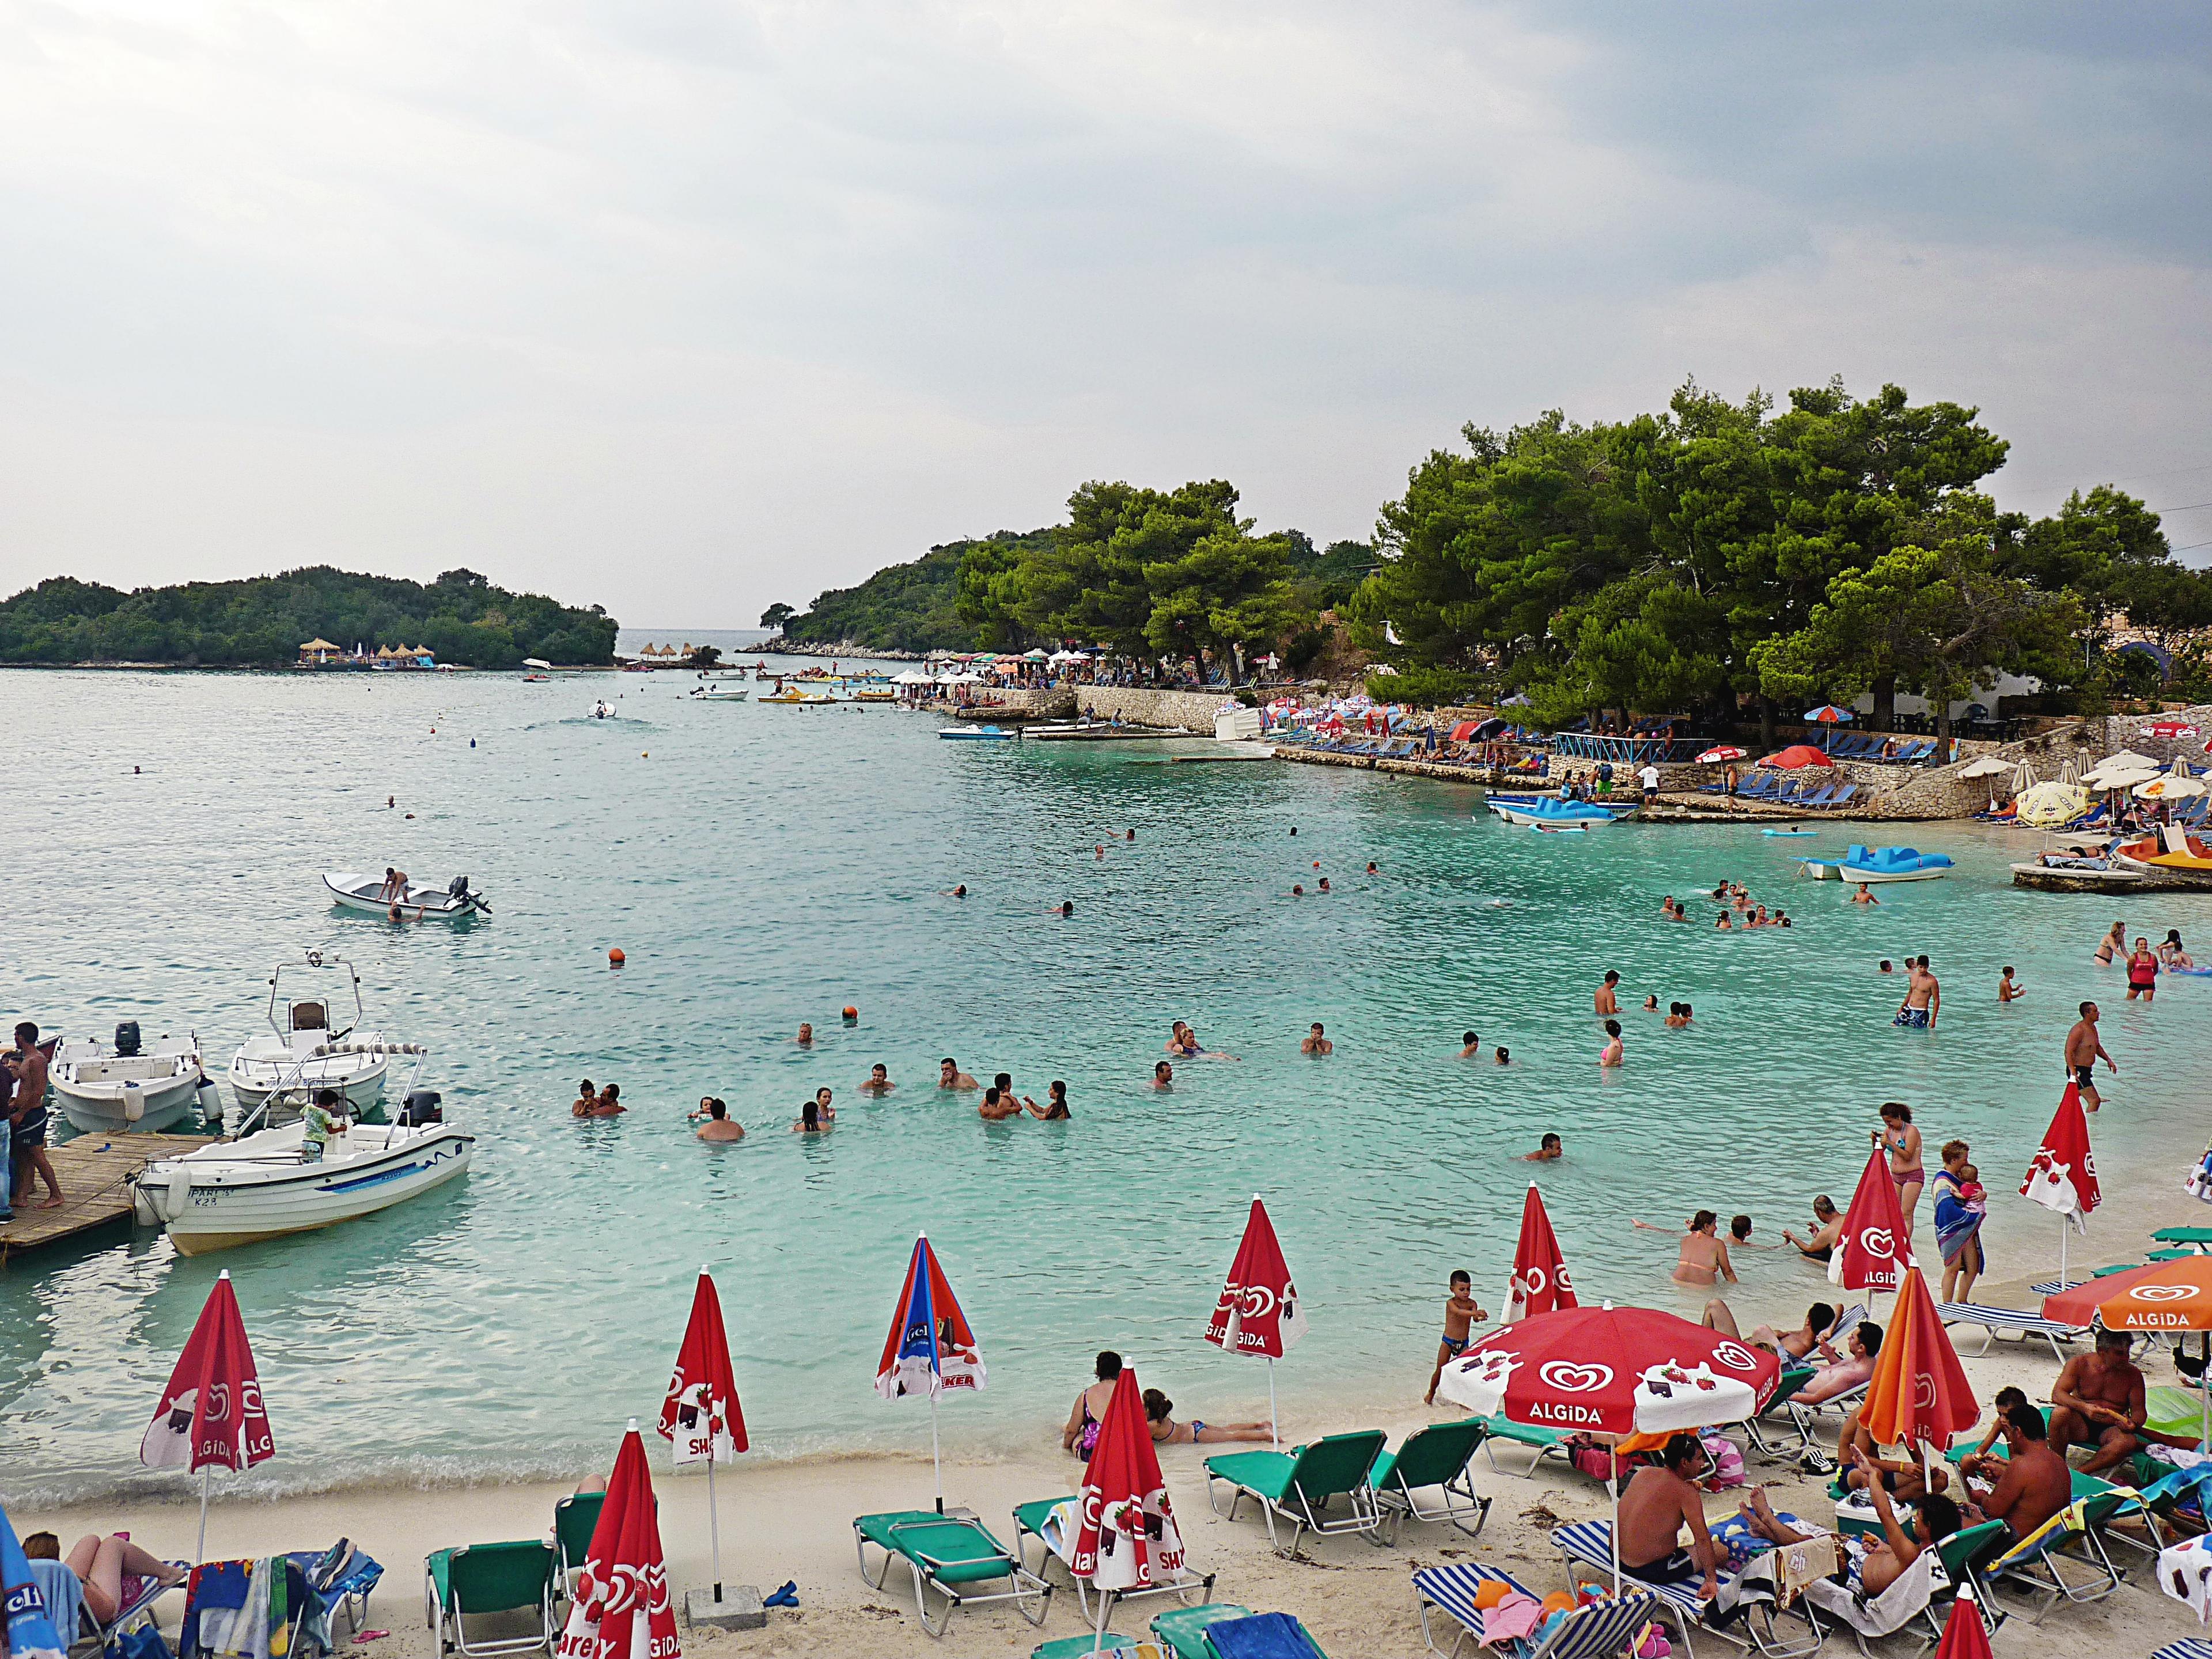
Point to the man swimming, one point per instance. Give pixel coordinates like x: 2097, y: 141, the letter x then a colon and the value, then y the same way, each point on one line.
x: 718, y: 1126
x: 1862, y: 894
x: 997, y: 1105
x: 1605, y: 1001
x: 1547, y: 1150
x: 1315, y: 1043
x: 2083, y: 1051
x: 879, y: 1080
x: 950, y: 1076
x: 806, y: 1037
x: 1468, y: 1045
x: 1162, y: 1076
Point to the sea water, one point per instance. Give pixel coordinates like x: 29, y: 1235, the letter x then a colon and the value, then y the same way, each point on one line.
x: 761, y: 866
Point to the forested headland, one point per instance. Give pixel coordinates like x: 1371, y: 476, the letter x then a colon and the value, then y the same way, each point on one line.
x: 262, y: 622
x: 1716, y: 558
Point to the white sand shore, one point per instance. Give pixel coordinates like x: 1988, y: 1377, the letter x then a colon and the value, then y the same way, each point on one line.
x: 792, y: 1521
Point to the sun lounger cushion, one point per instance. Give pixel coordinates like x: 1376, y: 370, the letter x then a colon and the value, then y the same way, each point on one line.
x: 951, y: 1550
x: 1184, y: 1628
x: 1263, y: 1636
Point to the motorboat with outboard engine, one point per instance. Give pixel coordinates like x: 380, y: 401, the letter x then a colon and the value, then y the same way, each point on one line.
x: 272, y: 1182
x: 313, y: 1047
x: 130, y: 1085
x: 978, y: 734
x: 456, y: 902
x: 721, y: 691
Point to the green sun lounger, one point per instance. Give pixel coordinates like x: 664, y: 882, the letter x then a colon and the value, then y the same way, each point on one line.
x: 474, y: 1579
x: 949, y: 1555
x: 1540, y: 1442
x: 1184, y: 1630
x: 1437, y: 1457
x: 1029, y: 1523
x: 1297, y: 1487
x: 1081, y: 1647
x: 575, y: 1518
x: 2035, y: 1563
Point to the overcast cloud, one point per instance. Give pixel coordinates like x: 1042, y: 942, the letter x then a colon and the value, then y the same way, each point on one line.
x: 685, y: 307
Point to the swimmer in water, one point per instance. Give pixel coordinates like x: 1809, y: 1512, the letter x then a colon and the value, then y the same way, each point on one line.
x: 2110, y: 946
x: 823, y: 1107
x: 961, y: 891
x: 806, y: 1037
x: 1131, y: 836
x: 1885, y: 968
x: 1054, y: 1108
x: 1651, y: 1003
x: 2008, y: 990
x: 997, y: 1106
x: 1066, y: 909
x: 1705, y: 1258
x: 1503, y: 1057
x: 879, y: 1080
x: 950, y: 1076
x: 1468, y: 1045
x: 1678, y: 1015
x: 1371, y: 869
x: 1102, y: 852
x: 810, y: 1121
x: 1162, y: 1075
x: 1182, y: 1040
x: 1315, y: 1043
x: 1613, y: 1052
x: 1863, y: 895
x: 1546, y: 1150
x: 1606, y: 1002
x: 1723, y: 924
x: 718, y: 1126
x: 1296, y: 890
x: 586, y: 1098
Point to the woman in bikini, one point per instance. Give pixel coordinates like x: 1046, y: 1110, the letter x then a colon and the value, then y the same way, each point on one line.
x: 1081, y: 1434
x: 1159, y: 1414
x: 1704, y: 1258
x: 2111, y: 945
x: 1898, y: 1138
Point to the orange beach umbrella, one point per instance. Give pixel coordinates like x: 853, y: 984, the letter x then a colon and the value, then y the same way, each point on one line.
x: 1918, y: 1394
x: 2176, y: 1296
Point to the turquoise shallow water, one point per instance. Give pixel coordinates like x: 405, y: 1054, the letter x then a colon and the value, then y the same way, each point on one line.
x: 765, y: 866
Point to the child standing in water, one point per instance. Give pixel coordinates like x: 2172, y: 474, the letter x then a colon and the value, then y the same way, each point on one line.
x: 1459, y: 1314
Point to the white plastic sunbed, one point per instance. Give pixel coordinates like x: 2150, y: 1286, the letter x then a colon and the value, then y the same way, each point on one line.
x: 2019, y: 1322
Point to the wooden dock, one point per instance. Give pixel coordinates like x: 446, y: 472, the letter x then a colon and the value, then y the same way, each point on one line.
x: 96, y: 1171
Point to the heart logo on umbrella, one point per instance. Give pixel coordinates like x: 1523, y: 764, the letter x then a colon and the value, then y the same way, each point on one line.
x: 1735, y: 1358
x: 1923, y: 1391
x: 1574, y: 1379
x: 1877, y: 1241
x: 2163, y: 1292
x: 1259, y: 1301
x: 1535, y: 1279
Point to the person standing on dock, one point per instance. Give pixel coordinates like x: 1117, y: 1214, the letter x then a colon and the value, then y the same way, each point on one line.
x: 26, y: 1066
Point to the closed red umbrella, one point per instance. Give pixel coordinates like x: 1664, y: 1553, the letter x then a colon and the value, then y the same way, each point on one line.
x: 1726, y: 751
x: 2063, y: 1174
x: 1540, y: 1284
x: 1258, y: 1311
x: 1965, y: 1636
x: 1796, y: 755
x: 1126, y: 1537
x: 211, y: 1416
x: 700, y: 1416
x: 1875, y: 1249
x: 621, y: 1609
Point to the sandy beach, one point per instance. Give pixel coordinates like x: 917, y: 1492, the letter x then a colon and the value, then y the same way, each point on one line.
x: 792, y: 1521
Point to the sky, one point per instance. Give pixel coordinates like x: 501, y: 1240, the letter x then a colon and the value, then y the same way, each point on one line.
x: 689, y: 307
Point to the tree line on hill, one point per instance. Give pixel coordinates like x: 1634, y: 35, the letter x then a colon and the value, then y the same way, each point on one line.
x: 1714, y: 559
x: 263, y: 622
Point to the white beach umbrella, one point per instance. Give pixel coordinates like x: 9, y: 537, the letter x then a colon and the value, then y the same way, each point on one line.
x: 2165, y: 787
x: 912, y: 677
x: 1989, y: 766
x: 2126, y: 757
x: 2023, y: 777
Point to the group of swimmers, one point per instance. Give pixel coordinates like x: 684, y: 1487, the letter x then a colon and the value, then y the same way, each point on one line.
x: 1734, y: 901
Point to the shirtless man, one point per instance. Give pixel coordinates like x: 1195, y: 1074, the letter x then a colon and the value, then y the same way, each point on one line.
x: 1461, y: 1311
x: 1659, y: 1502
x: 1470, y: 1046
x: 718, y: 1126
x: 26, y: 1066
x: 1546, y: 1150
x: 1803, y: 1344
x: 1606, y: 1000
x: 2083, y: 1051
x: 950, y: 1076
x: 997, y: 1107
x: 395, y: 885
x: 1827, y: 1230
x: 1860, y: 1348
x: 1162, y: 1076
x: 879, y: 1080
x: 2097, y: 1400
x: 1874, y: 1566
x: 2032, y: 1482
x: 1315, y: 1043
x: 1923, y: 998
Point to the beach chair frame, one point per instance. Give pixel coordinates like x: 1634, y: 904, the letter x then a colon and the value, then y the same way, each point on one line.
x: 1603, y: 1631
x: 1184, y: 1629
x: 100, y: 1638
x: 1586, y: 1548
x: 2033, y: 1563
x: 1024, y: 1530
x: 1296, y: 1504
x: 1394, y: 1489
x: 444, y: 1601
x: 2022, y: 1325
x: 1804, y: 1415
x: 575, y: 1517
x: 1030, y: 1594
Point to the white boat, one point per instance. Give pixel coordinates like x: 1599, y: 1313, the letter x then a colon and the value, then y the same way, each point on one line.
x: 977, y: 733
x: 1863, y: 865
x: 1539, y: 811
x: 238, y: 1192
x: 721, y: 691
x: 604, y: 710
x: 452, y: 903
x: 310, y: 1049
x: 125, y: 1086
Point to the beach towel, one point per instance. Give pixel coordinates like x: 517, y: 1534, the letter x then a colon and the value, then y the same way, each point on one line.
x: 1956, y: 1223
x: 1263, y: 1636
x: 30, y: 1632
x: 63, y: 1592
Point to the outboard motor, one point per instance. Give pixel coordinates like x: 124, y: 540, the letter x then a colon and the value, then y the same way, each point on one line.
x: 126, y: 1039
x: 458, y: 887
x: 421, y: 1106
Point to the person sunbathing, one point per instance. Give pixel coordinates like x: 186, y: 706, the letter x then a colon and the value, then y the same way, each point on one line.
x: 1871, y: 1566
x: 1860, y: 1348
x: 109, y: 1569
x: 1159, y: 1414
x: 1803, y: 1344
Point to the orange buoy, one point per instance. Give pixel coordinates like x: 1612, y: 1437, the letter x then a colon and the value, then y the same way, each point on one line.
x: 850, y: 1013
x: 615, y: 958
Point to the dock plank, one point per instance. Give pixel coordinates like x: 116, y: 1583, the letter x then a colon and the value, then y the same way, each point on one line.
x: 96, y: 1171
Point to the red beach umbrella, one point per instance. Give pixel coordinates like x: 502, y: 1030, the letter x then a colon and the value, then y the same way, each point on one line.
x: 1796, y: 755
x: 1918, y: 1394
x: 211, y: 1416
x: 1726, y: 751
x: 1126, y: 1539
x: 1540, y: 1283
x: 1876, y: 1249
x: 1465, y: 730
x: 1965, y: 1637
x: 2063, y: 1174
x: 1828, y: 715
x: 1612, y: 1371
x: 1258, y: 1312
x: 700, y: 1415
x: 621, y: 1609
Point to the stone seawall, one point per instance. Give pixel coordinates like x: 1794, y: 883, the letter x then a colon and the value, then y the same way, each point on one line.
x: 1192, y: 711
